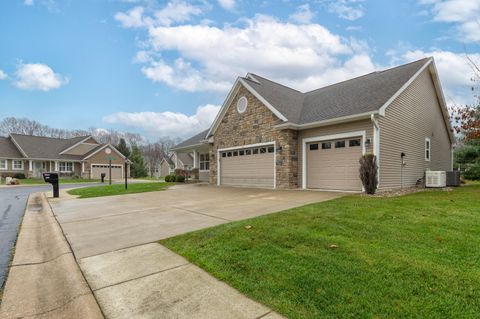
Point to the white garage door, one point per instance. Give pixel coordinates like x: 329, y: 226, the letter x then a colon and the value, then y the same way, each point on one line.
x: 248, y: 167
x: 334, y: 164
x: 98, y: 169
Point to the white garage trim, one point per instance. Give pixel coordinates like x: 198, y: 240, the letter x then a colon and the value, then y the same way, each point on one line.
x: 306, y: 140
x: 249, y: 146
x: 113, y: 165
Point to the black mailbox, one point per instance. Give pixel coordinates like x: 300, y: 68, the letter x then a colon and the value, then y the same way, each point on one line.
x: 102, y: 176
x: 52, y: 178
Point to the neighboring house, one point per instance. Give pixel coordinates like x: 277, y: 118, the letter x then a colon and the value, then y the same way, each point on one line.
x: 79, y: 156
x: 269, y: 135
x: 167, y: 166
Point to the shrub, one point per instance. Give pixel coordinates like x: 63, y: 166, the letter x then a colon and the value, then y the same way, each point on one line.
x: 368, y: 173
x: 472, y: 172
x: 180, y: 179
x: 19, y: 176
x: 170, y: 178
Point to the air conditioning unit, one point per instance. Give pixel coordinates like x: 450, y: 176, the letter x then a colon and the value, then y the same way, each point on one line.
x: 435, y: 179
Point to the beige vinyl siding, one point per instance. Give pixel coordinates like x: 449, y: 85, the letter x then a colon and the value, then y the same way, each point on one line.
x: 164, y: 169
x: 204, y: 176
x: 363, y: 125
x: 413, y: 116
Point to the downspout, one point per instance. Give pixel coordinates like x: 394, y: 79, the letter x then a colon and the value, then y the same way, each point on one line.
x: 376, y: 144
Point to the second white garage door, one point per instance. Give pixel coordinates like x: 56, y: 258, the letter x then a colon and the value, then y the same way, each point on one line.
x: 98, y: 169
x: 248, y: 167
x: 334, y: 165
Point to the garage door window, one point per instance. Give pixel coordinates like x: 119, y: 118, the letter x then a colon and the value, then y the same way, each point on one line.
x: 248, y: 152
x: 313, y: 147
x: 339, y: 144
x: 271, y: 149
x: 326, y: 146
x: 255, y: 151
x: 263, y: 150
x: 353, y: 143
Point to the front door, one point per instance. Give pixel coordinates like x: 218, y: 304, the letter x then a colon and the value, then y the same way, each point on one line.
x: 38, y: 168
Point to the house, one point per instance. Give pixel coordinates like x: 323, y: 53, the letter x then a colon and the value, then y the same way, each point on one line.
x: 269, y: 135
x: 80, y: 156
x: 167, y: 166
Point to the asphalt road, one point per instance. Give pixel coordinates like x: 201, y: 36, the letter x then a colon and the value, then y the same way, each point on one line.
x: 12, y: 206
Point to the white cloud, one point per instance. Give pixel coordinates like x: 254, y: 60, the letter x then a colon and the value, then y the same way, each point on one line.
x: 36, y: 76
x: 209, y: 58
x: 454, y: 71
x: 3, y: 75
x: 167, y: 123
x: 227, y: 4
x: 347, y: 9
x: 28, y: 2
x: 463, y: 13
x: 174, y: 12
x: 303, y: 14
x: 131, y: 19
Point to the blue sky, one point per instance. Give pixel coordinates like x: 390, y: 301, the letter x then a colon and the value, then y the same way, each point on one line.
x: 163, y: 68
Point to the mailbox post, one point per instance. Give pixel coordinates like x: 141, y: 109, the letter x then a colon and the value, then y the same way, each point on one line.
x: 102, y: 176
x: 52, y: 178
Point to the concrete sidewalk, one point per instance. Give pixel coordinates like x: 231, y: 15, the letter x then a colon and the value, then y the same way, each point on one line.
x: 44, y: 280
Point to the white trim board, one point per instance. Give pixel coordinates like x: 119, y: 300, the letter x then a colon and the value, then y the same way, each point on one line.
x: 249, y: 146
x: 306, y: 140
x: 18, y: 146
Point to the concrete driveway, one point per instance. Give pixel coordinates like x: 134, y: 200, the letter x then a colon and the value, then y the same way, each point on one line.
x: 133, y: 277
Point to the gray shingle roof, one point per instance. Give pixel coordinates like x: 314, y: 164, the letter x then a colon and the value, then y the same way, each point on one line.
x: 46, y: 147
x: 197, y: 139
x: 8, y: 149
x: 186, y: 158
x: 355, y: 96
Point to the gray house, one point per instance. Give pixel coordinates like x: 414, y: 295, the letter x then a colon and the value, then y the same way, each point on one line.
x: 269, y: 135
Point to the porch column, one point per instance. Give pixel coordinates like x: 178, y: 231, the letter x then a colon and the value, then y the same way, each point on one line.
x: 30, y: 165
x: 83, y: 167
x: 194, y: 158
x: 56, y: 166
x: 176, y: 159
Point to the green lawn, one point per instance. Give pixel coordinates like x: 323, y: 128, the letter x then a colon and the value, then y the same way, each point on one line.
x: 415, y: 256
x: 118, y: 189
x: 35, y: 181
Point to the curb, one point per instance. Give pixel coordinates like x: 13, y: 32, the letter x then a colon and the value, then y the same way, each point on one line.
x: 44, y: 278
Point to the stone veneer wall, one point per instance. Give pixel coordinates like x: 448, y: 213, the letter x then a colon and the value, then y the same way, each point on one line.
x: 256, y: 125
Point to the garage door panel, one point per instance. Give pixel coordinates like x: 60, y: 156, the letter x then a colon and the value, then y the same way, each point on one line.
x: 253, y: 170
x: 334, y: 168
x: 98, y: 169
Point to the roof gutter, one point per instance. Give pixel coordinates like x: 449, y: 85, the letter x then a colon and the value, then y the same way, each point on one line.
x: 202, y: 143
x: 338, y: 120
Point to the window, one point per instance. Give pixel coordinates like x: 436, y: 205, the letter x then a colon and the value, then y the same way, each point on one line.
x: 65, y: 166
x: 313, y: 147
x: 326, y: 146
x: 263, y: 150
x: 255, y: 151
x: 235, y: 153
x: 339, y: 144
x: 229, y: 154
x: 205, y: 162
x: 3, y: 164
x: 271, y: 149
x: 248, y: 152
x: 353, y: 143
x: 224, y: 154
x: 18, y: 165
x: 242, y: 104
x: 241, y: 153
x: 428, y: 151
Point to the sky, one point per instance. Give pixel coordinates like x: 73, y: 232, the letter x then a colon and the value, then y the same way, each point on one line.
x: 164, y: 68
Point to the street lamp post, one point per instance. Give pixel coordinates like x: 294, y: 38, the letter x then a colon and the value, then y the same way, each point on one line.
x: 126, y: 172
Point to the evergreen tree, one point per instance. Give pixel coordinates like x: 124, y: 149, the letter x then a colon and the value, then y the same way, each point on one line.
x: 138, y: 168
x: 123, y: 148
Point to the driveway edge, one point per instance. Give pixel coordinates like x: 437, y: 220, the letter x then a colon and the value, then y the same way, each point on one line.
x: 44, y: 279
